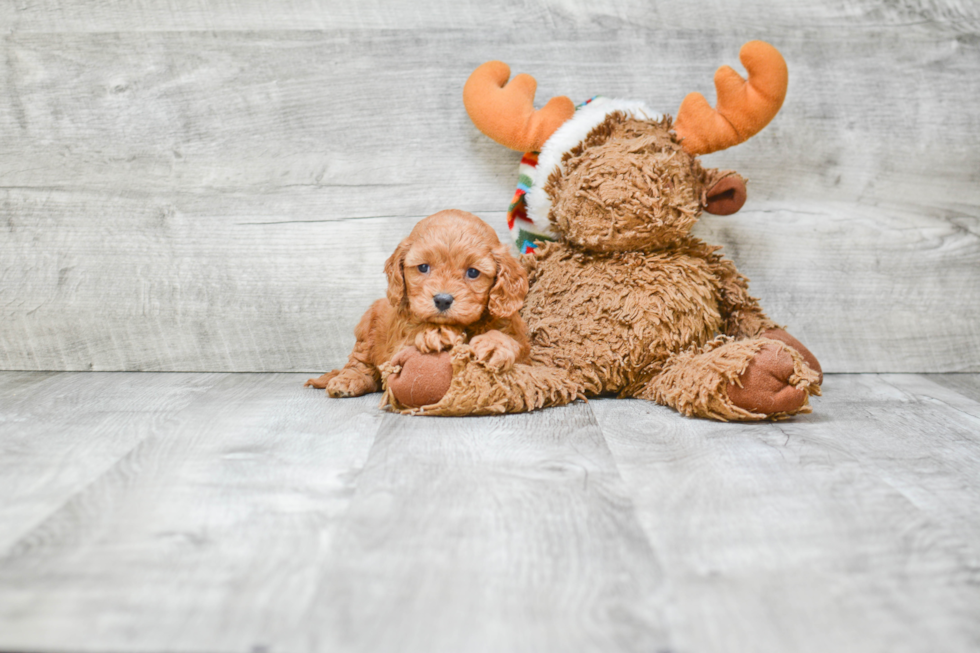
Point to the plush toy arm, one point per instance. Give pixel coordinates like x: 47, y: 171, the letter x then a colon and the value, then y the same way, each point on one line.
x: 743, y: 316
x: 747, y: 320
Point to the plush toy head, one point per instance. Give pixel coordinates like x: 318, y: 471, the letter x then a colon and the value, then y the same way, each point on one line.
x: 628, y: 186
x: 614, y: 175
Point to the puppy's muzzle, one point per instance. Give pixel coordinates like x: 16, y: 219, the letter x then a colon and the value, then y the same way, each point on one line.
x: 443, y: 301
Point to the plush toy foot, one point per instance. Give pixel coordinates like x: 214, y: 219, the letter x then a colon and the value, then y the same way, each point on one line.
x: 475, y: 387
x: 764, y: 386
x: 811, y: 360
x: 736, y: 380
x: 344, y: 383
x: 419, y: 379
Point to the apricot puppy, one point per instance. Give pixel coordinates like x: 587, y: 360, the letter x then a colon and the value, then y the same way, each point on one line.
x: 450, y: 281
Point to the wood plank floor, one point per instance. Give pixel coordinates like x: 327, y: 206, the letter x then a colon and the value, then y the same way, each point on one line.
x: 242, y: 512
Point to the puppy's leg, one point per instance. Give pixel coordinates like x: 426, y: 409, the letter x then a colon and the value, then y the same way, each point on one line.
x: 436, y: 339
x: 351, y: 382
x: 496, y: 349
x: 360, y: 375
x: 321, y: 381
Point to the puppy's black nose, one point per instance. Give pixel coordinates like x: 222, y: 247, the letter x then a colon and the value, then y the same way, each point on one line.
x: 443, y: 301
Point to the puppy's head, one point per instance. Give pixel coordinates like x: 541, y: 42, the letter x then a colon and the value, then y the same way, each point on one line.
x: 452, y: 269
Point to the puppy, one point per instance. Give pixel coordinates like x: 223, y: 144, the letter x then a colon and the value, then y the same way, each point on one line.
x: 450, y: 281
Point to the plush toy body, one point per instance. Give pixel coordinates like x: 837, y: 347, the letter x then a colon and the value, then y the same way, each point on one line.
x: 653, y: 331
x: 622, y: 299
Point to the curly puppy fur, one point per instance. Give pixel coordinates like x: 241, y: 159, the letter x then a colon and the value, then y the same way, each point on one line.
x: 628, y: 303
x: 450, y: 281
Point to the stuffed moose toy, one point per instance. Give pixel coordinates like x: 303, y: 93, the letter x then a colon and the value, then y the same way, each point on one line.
x: 622, y: 300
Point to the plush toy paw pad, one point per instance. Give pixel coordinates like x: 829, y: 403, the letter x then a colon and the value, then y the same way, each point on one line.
x: 423, y: 379
x: 786, y: 338
x: 765, y: 386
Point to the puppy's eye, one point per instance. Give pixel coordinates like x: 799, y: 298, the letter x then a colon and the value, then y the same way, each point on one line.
x: 424, y: 268
x: 472, y: 273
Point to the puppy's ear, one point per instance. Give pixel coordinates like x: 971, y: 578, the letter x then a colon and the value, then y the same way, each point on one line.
x: 395, y: 271
x: 510, y: 287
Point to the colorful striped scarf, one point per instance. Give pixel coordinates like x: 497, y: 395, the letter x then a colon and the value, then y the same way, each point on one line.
x: 525, y: 232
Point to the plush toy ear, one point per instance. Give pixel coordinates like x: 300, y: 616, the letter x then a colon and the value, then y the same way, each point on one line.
x: 395, y: 271
x: 510, y: 287
x: 725, y: 195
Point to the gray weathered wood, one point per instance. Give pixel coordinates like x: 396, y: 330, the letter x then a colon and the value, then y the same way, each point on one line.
x: 205, y: 536
x: 191, y: 513
x: 501, y: 534
x: 157, y: 15
x: 176, y: 180
x: 852, y: 529
x: 382, y: 112
x: 925, y: 441
x: 965, y: 384
x: 842, y: 280
x: 61, y: 432
x: 195, y: 294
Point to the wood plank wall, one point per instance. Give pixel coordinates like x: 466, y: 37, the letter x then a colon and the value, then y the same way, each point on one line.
x: 214, y: 186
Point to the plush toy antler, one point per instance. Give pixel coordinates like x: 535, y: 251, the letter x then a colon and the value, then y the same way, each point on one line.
x: 744, y: 107
x: 505, y: 111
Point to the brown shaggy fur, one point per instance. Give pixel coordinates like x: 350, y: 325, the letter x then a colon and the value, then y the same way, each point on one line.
x: 627, y: 303
x: 484, y: 310
x: 627, y: 186
x: 479, y: 389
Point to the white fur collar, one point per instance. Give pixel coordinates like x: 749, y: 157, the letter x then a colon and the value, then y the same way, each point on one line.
x: 567, y: 137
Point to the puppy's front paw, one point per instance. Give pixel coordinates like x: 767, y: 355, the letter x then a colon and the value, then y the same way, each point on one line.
x: 435, y: 340
x: 321, y: 382
x: 350, y: 383
x: 495, y: 349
